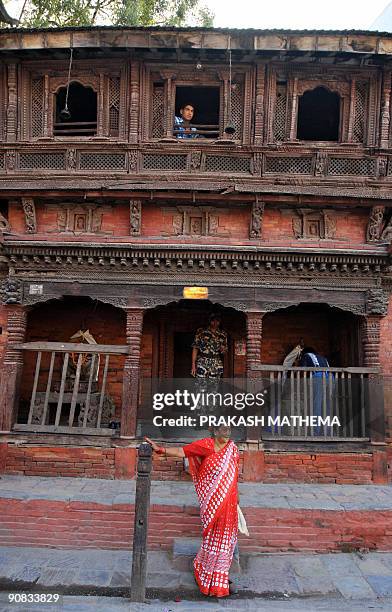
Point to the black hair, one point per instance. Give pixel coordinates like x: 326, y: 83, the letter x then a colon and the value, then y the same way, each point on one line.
x: 308, y: 349
x: 215, y: 316
x: 187, y: 104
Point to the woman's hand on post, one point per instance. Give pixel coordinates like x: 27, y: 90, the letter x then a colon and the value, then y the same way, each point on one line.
x: 155, y: 447
x: 193, y: 370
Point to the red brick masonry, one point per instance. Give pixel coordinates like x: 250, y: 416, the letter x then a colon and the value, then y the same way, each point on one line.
x: 74, y: 524
x: 260, y: 466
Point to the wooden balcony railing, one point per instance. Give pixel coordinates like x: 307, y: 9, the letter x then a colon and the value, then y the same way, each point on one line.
x: 69, y: 392
x: 353, y: 395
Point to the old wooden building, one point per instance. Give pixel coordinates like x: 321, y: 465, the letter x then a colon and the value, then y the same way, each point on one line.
x: 279, y: 205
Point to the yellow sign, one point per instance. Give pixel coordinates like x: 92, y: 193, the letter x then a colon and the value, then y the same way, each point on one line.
x: 195, y: 293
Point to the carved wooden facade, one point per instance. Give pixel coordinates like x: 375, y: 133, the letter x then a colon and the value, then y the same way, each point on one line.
x: 130, y: 215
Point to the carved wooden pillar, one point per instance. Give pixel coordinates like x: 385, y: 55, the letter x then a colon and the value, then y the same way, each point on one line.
x: 385, y: 110
x: 351, y: 115
x: 134, y: 102
x: 12, y: 366
x: 12, y: 102
x: 371, y: 359
x: 131, y: 378
x: 259, y: 105
x: 254, y: 334
x: 371, y: 341
x: 294, y: 109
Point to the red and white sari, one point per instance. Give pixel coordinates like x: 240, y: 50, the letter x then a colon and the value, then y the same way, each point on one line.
x: 215, y: 475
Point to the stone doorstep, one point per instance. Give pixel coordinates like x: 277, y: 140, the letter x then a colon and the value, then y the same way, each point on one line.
x: 184, y: 551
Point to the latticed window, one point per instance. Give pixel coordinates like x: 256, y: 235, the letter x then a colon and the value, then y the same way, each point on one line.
x: 287, y: 165
x: 361, y: 92
x: 157, y: 110
x: 37, y: 107
x: 360, y: 167
x: 114, y: 106
x: 279, y: 123
x: 237, y: 108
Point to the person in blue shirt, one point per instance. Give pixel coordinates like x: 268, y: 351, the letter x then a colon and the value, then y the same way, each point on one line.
x: 182, y: 127
x: 311, y: 359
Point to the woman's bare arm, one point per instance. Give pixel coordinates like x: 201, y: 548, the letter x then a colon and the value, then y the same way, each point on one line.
x: 173, y: 451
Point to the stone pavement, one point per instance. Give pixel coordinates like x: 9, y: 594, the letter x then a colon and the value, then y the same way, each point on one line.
x: 346, y: 576
x: 117, y: 604
x: 294, y: 496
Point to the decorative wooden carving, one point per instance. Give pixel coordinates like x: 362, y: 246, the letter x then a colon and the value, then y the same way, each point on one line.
x: 313, y: 224
x: 135, y: 217
x: 382, y: 167
x: 256, y: 220
x: 133, y: 157
x: 385, y: 109
x: 371, y: 341
x: 5, y: 227
x: 194, y: 221
x: 131, y: 377
x: 377, y: 302
x: 374, y: 227
x: 134, y: 102
x: 386, y: 235
x: 11, y: 291
x: 11, y: 373
x: 71, y: 158
x: 30, y: 217
x: 12, y: 103
x: 254, y: 333
x: 10, y: 160
x: 82, y: 219
x: 321, y: 163
x: 259, y: 105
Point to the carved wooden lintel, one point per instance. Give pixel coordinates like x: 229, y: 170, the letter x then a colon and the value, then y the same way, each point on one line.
x: 256, y: 220
x: 135, y: 217
x: 30, y: 217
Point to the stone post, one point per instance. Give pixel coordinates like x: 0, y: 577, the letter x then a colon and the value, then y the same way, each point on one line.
x: 12, y: 367
x: 131, y: 378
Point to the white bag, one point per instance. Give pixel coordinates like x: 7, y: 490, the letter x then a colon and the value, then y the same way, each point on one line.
x: 242, y: 526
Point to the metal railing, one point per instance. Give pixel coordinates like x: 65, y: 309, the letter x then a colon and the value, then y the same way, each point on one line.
x: 321, y: 403
x: 70, y: 388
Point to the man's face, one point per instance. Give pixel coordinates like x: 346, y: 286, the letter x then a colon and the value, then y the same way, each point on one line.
x: 214, y: 324
x: 187, y: 112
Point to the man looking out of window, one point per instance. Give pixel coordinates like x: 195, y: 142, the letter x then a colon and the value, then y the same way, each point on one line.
x: 182, y: 126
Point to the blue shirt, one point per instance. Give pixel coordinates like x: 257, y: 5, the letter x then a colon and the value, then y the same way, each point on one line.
x: 180, y: 130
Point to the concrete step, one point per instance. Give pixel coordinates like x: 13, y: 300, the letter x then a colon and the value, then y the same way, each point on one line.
x: 184, y: 551
x: 99, y: 514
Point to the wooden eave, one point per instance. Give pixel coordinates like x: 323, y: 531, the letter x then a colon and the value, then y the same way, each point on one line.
x: 259, y: 41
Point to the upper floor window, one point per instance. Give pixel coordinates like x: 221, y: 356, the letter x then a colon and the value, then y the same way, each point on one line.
x: 318, y: 115
x: 76, y: 116
x: 197, y: 112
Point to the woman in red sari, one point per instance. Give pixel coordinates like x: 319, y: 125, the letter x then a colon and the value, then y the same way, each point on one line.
x: 213, y: 463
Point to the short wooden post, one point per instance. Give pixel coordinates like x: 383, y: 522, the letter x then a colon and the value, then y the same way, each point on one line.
x: 142, y: 505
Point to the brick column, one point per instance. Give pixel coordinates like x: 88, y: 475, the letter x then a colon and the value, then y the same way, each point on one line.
x: 12, y: 367
x: 254, y: 334
x: 131, y: 378
x: 371, y: 338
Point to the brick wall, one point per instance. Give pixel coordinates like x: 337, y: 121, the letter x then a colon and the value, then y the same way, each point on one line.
x: 157, y: 224
x: 89, y: 525
x: 269, y: 467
